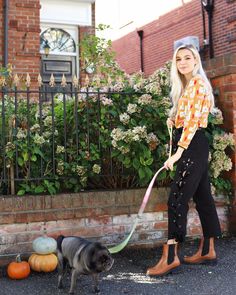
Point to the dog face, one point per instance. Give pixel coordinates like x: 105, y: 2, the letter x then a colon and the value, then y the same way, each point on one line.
x: 100, y: 259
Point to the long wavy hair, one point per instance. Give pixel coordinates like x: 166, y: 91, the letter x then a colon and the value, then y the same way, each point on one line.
x: 178, y: 81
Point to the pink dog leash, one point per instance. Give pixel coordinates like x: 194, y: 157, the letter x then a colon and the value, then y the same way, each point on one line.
x: 123, y: 244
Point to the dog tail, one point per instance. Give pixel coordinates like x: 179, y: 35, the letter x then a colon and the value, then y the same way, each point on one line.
x: 59, y: 242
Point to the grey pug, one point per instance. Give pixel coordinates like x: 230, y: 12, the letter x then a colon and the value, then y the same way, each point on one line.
x: 84, y: 257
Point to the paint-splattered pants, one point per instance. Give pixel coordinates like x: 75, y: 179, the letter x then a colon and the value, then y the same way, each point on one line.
x: 192, y: 181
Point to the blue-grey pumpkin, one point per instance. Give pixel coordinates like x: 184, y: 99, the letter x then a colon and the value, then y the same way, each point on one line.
x: 44, y: 245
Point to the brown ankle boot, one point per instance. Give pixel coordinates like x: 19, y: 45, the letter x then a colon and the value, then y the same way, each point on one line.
x: 206, y: 253
x: 168, y: 262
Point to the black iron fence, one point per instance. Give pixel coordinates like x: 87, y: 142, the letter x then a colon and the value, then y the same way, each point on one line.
x: 59, y: 138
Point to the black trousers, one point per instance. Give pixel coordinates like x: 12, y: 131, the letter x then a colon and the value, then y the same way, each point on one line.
x: 192, y: 181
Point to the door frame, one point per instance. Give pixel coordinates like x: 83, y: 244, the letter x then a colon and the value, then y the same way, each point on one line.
x: 73, y: 30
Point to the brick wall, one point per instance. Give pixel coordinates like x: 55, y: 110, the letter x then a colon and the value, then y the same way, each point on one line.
x: 1, y: 32
x: 24, y: 38
x: 159, y: 35
x: 107, y: 216
x: 83, y: 30
x: 224, y: 27
x: 222, y: 72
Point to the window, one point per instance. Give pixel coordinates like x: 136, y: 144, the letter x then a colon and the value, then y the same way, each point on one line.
x: 59, y: 41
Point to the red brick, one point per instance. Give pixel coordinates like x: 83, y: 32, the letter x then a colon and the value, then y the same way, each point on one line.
x: 6, y: 218
x: 161, y: 207
x: 229, y: 88
x: 230, y: 79
x: 161, y: 225
x: 101, y: 220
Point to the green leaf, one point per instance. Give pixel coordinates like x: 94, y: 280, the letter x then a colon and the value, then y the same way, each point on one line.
x: 148, y: 172
x: 21, y: 192
x: 148, y: 162
x: 52, y: 190
x: 172, y: 174
x: 20, y: 161
x: 33, y: 158
x: 142, y: 161
x: 136, y: 163
x: 141, y: 173
x: 25, y: 156
x: 161, y: 136
x: 115, y: 153
x: 73, y: 180
x: 127, y: 161
x: 57, y: 184
x: 147, y: 153
x: 39, y: 189
x: 162, y: 175
x: 133, y: 122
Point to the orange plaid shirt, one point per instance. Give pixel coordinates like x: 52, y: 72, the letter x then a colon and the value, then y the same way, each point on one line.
x: 193, y: 110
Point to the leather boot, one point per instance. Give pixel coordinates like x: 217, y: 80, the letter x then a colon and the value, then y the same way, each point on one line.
x: 206, y: 253
x: 168, y: 262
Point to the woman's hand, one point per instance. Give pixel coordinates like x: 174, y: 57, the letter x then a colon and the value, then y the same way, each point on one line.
x: 170, y: 162
x: 170, y: 123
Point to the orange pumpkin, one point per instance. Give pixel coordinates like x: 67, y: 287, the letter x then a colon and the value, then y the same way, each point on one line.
x: 18, y: 269
x: 45, y: 263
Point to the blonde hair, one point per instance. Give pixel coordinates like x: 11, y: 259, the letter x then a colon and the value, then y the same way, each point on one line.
x: 178, y: 82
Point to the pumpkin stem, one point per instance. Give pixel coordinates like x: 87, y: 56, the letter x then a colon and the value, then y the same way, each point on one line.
x: 18, y: 259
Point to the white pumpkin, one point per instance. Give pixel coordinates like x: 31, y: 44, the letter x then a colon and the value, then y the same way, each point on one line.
x: 44, y: 245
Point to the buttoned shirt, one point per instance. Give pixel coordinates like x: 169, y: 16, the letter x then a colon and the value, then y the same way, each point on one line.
x: 192, y: 110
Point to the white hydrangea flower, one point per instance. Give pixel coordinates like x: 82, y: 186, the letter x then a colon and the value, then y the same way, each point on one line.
x: 117, y: 134
x: 39, y: 139
x: 96, y: 168
x: 124, y: 118
x: 60, y: 149
x: 132, y: 108
x: 106, y: 101
x: 145, y: 99
x: 35, y: 128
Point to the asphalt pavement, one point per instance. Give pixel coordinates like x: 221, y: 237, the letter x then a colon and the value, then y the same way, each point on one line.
x: 127, y: 276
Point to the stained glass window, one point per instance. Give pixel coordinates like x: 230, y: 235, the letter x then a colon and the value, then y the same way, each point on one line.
x: 58, y: 40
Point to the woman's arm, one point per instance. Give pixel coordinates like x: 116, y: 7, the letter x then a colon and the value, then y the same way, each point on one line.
x: 170, y: 162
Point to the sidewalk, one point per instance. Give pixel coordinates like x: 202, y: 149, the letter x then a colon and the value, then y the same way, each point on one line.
x: 128, y: 276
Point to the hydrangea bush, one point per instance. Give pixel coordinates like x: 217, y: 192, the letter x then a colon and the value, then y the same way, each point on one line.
x: 116, y: 137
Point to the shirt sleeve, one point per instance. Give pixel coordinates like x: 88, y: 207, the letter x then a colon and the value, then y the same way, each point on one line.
x: 197, y: 111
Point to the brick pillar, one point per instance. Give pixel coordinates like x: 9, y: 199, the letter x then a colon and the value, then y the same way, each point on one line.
x: 222, y: 72
x: 82, y: 31
x: 24, y: 37
x: 1, y: 32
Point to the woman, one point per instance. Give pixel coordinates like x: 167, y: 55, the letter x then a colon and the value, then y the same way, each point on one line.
x: 192, y: 101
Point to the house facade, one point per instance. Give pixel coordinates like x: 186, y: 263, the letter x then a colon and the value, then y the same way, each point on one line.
x: 28, y: 27
x: 156, y: 38
x: 148, y: 47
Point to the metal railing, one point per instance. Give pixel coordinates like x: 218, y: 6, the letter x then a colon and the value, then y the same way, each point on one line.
x: 51, y: 134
